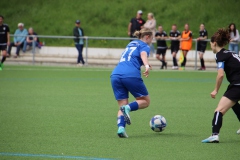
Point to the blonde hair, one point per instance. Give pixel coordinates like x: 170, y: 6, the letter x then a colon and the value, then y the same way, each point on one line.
x: 143, y: 32
x: 151, y: 14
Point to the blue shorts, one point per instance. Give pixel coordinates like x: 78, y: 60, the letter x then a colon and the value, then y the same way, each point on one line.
x: 122, y: 86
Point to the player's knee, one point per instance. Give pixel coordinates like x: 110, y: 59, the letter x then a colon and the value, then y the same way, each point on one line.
x: 4, y: 53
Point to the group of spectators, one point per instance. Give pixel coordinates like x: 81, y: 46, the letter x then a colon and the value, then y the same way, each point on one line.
x: 179, y: 40
x: 23, y: 38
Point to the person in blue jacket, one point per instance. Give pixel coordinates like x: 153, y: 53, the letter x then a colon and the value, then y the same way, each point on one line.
x: 19, y: 39
x: 126, y: 77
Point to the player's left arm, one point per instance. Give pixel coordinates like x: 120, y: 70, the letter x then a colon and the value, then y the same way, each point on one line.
x: 219, y: 79
x: 145, y: 62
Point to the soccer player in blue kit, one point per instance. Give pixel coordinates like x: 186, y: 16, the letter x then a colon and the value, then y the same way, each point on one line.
x: 126, y: 77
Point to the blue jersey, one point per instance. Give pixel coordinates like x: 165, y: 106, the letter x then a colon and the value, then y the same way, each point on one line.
x: 131, y: 62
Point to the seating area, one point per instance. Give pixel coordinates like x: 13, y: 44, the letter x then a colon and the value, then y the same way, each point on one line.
x: 106, y: 57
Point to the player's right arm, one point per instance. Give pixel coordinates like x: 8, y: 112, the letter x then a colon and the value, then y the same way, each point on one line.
x: 145, y: 62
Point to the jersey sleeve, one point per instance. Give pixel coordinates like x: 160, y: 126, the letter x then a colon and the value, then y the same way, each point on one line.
x: 220, y: 59
x: 205, y: 33
x: 190, y: 35
x: 178, y: 33
x: 165, y: 34
x: 145, y: 49
x: 7, y: 29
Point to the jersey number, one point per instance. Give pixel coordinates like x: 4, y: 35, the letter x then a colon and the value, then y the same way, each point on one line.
x: 128, y: 52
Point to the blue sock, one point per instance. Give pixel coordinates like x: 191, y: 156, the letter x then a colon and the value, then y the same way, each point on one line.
x: 133, y: 106
x: 121, y: 122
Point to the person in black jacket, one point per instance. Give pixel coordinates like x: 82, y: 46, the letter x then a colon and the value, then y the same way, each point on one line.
x: 78, y: 32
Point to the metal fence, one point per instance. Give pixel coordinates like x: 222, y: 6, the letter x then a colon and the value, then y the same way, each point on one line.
x: 87, y: 38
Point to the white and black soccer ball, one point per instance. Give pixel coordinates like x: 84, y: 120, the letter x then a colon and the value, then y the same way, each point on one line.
x: 158, y: 123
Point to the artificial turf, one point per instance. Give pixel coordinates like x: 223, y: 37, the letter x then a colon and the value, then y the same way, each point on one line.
x: 65, y: 112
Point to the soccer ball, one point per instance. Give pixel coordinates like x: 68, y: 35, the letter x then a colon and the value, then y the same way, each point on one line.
x: 158, y: 123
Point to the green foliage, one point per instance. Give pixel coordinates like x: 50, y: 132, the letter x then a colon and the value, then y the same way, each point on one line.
x: 72, y: 111
x: 110, y: 18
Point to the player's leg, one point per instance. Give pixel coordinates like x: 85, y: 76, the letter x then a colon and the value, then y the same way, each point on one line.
x: 143, y: 102
x: 201, y: 60
x: 4, y: 55
x: 183, y: 64
x: 175, y: 65
x: 164, y: 59
x: 223, y: 106
x: 236, y: 109
x: 158, y: 57
x: 121, y: 95
x: 138, y: 89
x: 121, y: 123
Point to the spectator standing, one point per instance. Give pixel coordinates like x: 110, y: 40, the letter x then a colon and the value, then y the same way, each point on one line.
x: 234, y: 37
x: 151, y: 24
x: 135, y: 24
x: 161, y: 37
x: 186, y: 44
x: 174, y: 36
x: 202, y: 45
x: 78, y: 33
x: 4, y: 40
x: 18, y: 40
x: 31, y: 38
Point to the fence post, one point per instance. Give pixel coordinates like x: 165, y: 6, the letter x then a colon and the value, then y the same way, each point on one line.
x: 196, y: 55
x: 33, y: 51
x: 86, y: 50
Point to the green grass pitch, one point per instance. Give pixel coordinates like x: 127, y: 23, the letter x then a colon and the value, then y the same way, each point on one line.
x: 67, y: 112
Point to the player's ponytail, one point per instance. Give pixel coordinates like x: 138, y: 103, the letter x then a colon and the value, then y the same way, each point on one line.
x: 221, y: 37
x: 143, y: 32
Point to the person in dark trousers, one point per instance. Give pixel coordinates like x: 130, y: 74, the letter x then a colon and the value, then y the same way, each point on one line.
x: 202, y: 45
x: 135, y: 24
x: 4, y: 40
x: 174, y: 36
x: 31, y: 38
x: 18, y: 40
x: 78, y: 33
x: 161, y: 37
